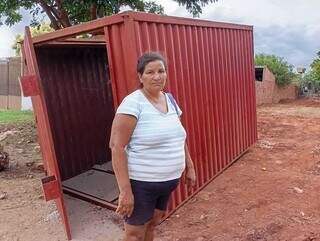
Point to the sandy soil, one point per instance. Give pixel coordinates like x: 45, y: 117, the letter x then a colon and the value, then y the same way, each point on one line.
x: 25, y: 216
x: 271, y: 193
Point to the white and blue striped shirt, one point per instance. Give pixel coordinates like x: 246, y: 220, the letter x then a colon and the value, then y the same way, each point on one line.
x: 156, y: 148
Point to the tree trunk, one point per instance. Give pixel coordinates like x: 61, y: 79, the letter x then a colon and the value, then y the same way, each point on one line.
x: 62, y: 15
x: 93, y: 11
x: 53, y: 20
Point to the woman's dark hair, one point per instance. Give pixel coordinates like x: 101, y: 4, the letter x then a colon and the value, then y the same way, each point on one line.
x: 147, y: 58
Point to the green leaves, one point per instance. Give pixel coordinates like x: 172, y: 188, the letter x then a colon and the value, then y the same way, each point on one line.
x: 315, y: 67
x: 9, y: 13
x: 313, y: 75
x: 80, y: 11
x: 195, y: 6
x: 10, y: 10
x: 64, y: 13
x: 152, y: 7
x: 35, y: 31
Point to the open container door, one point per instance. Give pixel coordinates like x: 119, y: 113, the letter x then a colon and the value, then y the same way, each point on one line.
x: 32, y: 86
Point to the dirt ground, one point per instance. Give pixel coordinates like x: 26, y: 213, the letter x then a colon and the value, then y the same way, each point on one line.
x: 270, y: 193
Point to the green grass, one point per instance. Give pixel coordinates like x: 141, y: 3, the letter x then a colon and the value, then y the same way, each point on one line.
x: 13, y: 116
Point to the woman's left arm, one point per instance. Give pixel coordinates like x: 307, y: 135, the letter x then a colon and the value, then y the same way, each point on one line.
x: 190, y: 175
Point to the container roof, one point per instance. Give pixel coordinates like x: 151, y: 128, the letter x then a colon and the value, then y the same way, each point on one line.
x: 98, y: 25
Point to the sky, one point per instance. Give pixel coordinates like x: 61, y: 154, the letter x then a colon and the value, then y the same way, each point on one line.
x: 286, y: 28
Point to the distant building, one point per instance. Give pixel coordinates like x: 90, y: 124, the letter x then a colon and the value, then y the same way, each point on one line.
x: 267, y: 91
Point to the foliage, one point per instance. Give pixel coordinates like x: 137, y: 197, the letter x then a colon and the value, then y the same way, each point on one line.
x: 315, y: 68
x: 308, y: 77
x: 195, y: 6
x: 312, y: 76
x: 64, y: 13
x: 10, y: 116
x: 35, y: 31
x: 282, y: 71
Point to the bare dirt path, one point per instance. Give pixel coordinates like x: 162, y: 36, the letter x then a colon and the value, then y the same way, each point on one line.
x: 271, y: 193
x: 25, y: 216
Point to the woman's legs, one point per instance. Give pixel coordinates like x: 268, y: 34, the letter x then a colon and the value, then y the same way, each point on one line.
x: 134, y: 233
x: 150, y: 203
x: 143, y: 232
x: 149, y: 233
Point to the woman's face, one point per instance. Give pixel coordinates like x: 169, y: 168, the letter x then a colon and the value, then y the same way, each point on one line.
x: 154, y: 76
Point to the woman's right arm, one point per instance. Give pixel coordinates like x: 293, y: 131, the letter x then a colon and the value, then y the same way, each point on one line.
x: 122, y: 128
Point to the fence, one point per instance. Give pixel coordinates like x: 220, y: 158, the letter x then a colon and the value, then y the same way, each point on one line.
x: 10, y: 94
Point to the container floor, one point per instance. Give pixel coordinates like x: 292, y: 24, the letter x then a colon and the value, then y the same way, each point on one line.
x: 98, y: 184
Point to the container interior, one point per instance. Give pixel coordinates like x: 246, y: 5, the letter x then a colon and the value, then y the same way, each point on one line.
x: 77, y: 90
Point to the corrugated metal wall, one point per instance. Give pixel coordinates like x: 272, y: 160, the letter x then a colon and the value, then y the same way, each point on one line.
x: 79, y: 100
x: 210, y: 73
x: 44, y: 128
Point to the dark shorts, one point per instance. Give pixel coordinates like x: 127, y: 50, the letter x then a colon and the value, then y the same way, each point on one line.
x: 149, y: 196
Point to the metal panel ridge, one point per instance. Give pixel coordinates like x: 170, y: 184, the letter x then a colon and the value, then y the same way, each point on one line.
x: 210, y: 75
x: 139, y: 16
x: 156, y: 18
x: 77, y: 84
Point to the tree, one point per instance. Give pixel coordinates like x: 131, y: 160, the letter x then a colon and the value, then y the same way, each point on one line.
x: 312, y: 77
x: 35, y: 31
x: 64, y: 13
x: 282, y: 71
x: 315, y: 67
x: 195, y: 6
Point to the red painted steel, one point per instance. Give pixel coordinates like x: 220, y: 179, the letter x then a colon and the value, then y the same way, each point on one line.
x: 210, y: 73
x: 79, y: 29
x: 50, y: 187
x: 29, y: 85
x: 44, y: 128
x: 78, y: 93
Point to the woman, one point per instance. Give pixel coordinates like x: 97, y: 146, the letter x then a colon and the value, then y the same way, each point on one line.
x: 149, y: 153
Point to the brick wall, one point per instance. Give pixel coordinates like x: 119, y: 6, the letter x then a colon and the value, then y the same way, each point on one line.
x: 267, y: 91
x: 289, y: 92
x: 264, y: 88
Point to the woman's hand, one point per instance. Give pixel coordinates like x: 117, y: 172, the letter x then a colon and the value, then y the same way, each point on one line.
x: 190, y: 177
x: 190, y: 173
x: 126, y: 203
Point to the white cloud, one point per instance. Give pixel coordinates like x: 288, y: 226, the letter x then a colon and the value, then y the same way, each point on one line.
x: 288, y: 28
x: 6, y: 40
x: 7, y: 35
x: 266, y: 12
x: 297, y: 49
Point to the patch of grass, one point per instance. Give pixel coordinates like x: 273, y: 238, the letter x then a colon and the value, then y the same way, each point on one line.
x: 13, y: 116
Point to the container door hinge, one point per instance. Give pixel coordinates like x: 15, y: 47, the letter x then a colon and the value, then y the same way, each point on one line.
x: 50, y: 187
x: 29, y: 85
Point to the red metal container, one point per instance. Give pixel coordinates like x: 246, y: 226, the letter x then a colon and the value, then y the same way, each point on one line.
x: 76, y: 84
